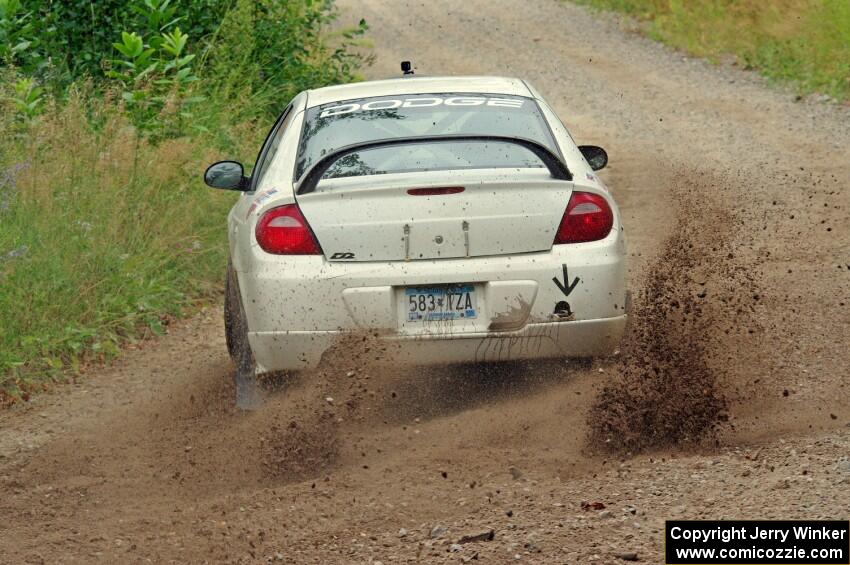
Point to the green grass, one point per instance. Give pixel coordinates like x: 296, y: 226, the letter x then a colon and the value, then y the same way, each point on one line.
x: 104, y: 238
x: 802, y: 42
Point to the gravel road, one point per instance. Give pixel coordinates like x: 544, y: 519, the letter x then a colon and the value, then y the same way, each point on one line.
x: 735, y: 197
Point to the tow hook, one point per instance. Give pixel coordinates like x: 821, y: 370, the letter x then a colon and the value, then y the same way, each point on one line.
x: 563, y: 311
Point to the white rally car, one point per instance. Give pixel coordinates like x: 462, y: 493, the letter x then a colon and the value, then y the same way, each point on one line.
x: 454, y: 216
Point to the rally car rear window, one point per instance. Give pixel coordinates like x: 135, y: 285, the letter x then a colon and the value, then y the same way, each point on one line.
x: 331, y: 126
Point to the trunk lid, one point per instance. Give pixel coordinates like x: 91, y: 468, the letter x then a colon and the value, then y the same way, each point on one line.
x: 374, y: 218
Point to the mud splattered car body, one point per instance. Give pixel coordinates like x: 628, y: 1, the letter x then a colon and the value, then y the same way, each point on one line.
x: 453, y: 216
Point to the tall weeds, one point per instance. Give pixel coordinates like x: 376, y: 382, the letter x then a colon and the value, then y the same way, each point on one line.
x: 104, y: 237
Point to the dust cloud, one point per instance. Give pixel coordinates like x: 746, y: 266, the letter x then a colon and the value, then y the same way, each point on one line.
x: 692, y: 314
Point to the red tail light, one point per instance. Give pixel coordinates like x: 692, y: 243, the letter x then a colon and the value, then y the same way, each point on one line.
x: 588, y: 218
x: 284, y: 231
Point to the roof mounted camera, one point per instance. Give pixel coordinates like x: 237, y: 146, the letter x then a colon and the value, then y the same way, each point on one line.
x: 407, y: 68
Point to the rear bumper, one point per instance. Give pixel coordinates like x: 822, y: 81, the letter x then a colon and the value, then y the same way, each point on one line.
x: 566, y: 302
x: 293, y: 350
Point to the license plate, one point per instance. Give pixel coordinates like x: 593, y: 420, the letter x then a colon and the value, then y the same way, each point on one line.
x: 440, y: 303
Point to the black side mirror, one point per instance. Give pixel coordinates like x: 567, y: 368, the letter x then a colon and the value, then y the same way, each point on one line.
x: 596, y: 157
x: 227, y: 175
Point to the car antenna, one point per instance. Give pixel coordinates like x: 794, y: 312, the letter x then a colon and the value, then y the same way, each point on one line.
x: 407, y: 68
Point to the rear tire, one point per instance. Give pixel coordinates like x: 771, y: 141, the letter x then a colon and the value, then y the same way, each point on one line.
x: 248, y: 392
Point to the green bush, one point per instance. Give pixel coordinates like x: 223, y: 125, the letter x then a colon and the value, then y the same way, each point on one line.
x: 61, y: 41
x: 287, y: 51
x: 21, y: 37
x: 270, y: 49
x: 154, y: 76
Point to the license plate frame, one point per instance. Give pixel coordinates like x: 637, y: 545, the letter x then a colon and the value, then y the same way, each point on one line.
x: 440, y: 303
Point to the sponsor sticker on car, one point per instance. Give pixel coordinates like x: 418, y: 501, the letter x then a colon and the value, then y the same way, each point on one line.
x: 420, y: 102
x: 259, y: 201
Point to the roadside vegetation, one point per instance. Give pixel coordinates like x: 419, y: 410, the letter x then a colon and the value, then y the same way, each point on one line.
x: 109, y: 112
x: 802, y: 42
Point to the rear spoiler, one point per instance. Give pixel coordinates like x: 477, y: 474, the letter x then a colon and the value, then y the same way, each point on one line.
x: 311, y: 178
